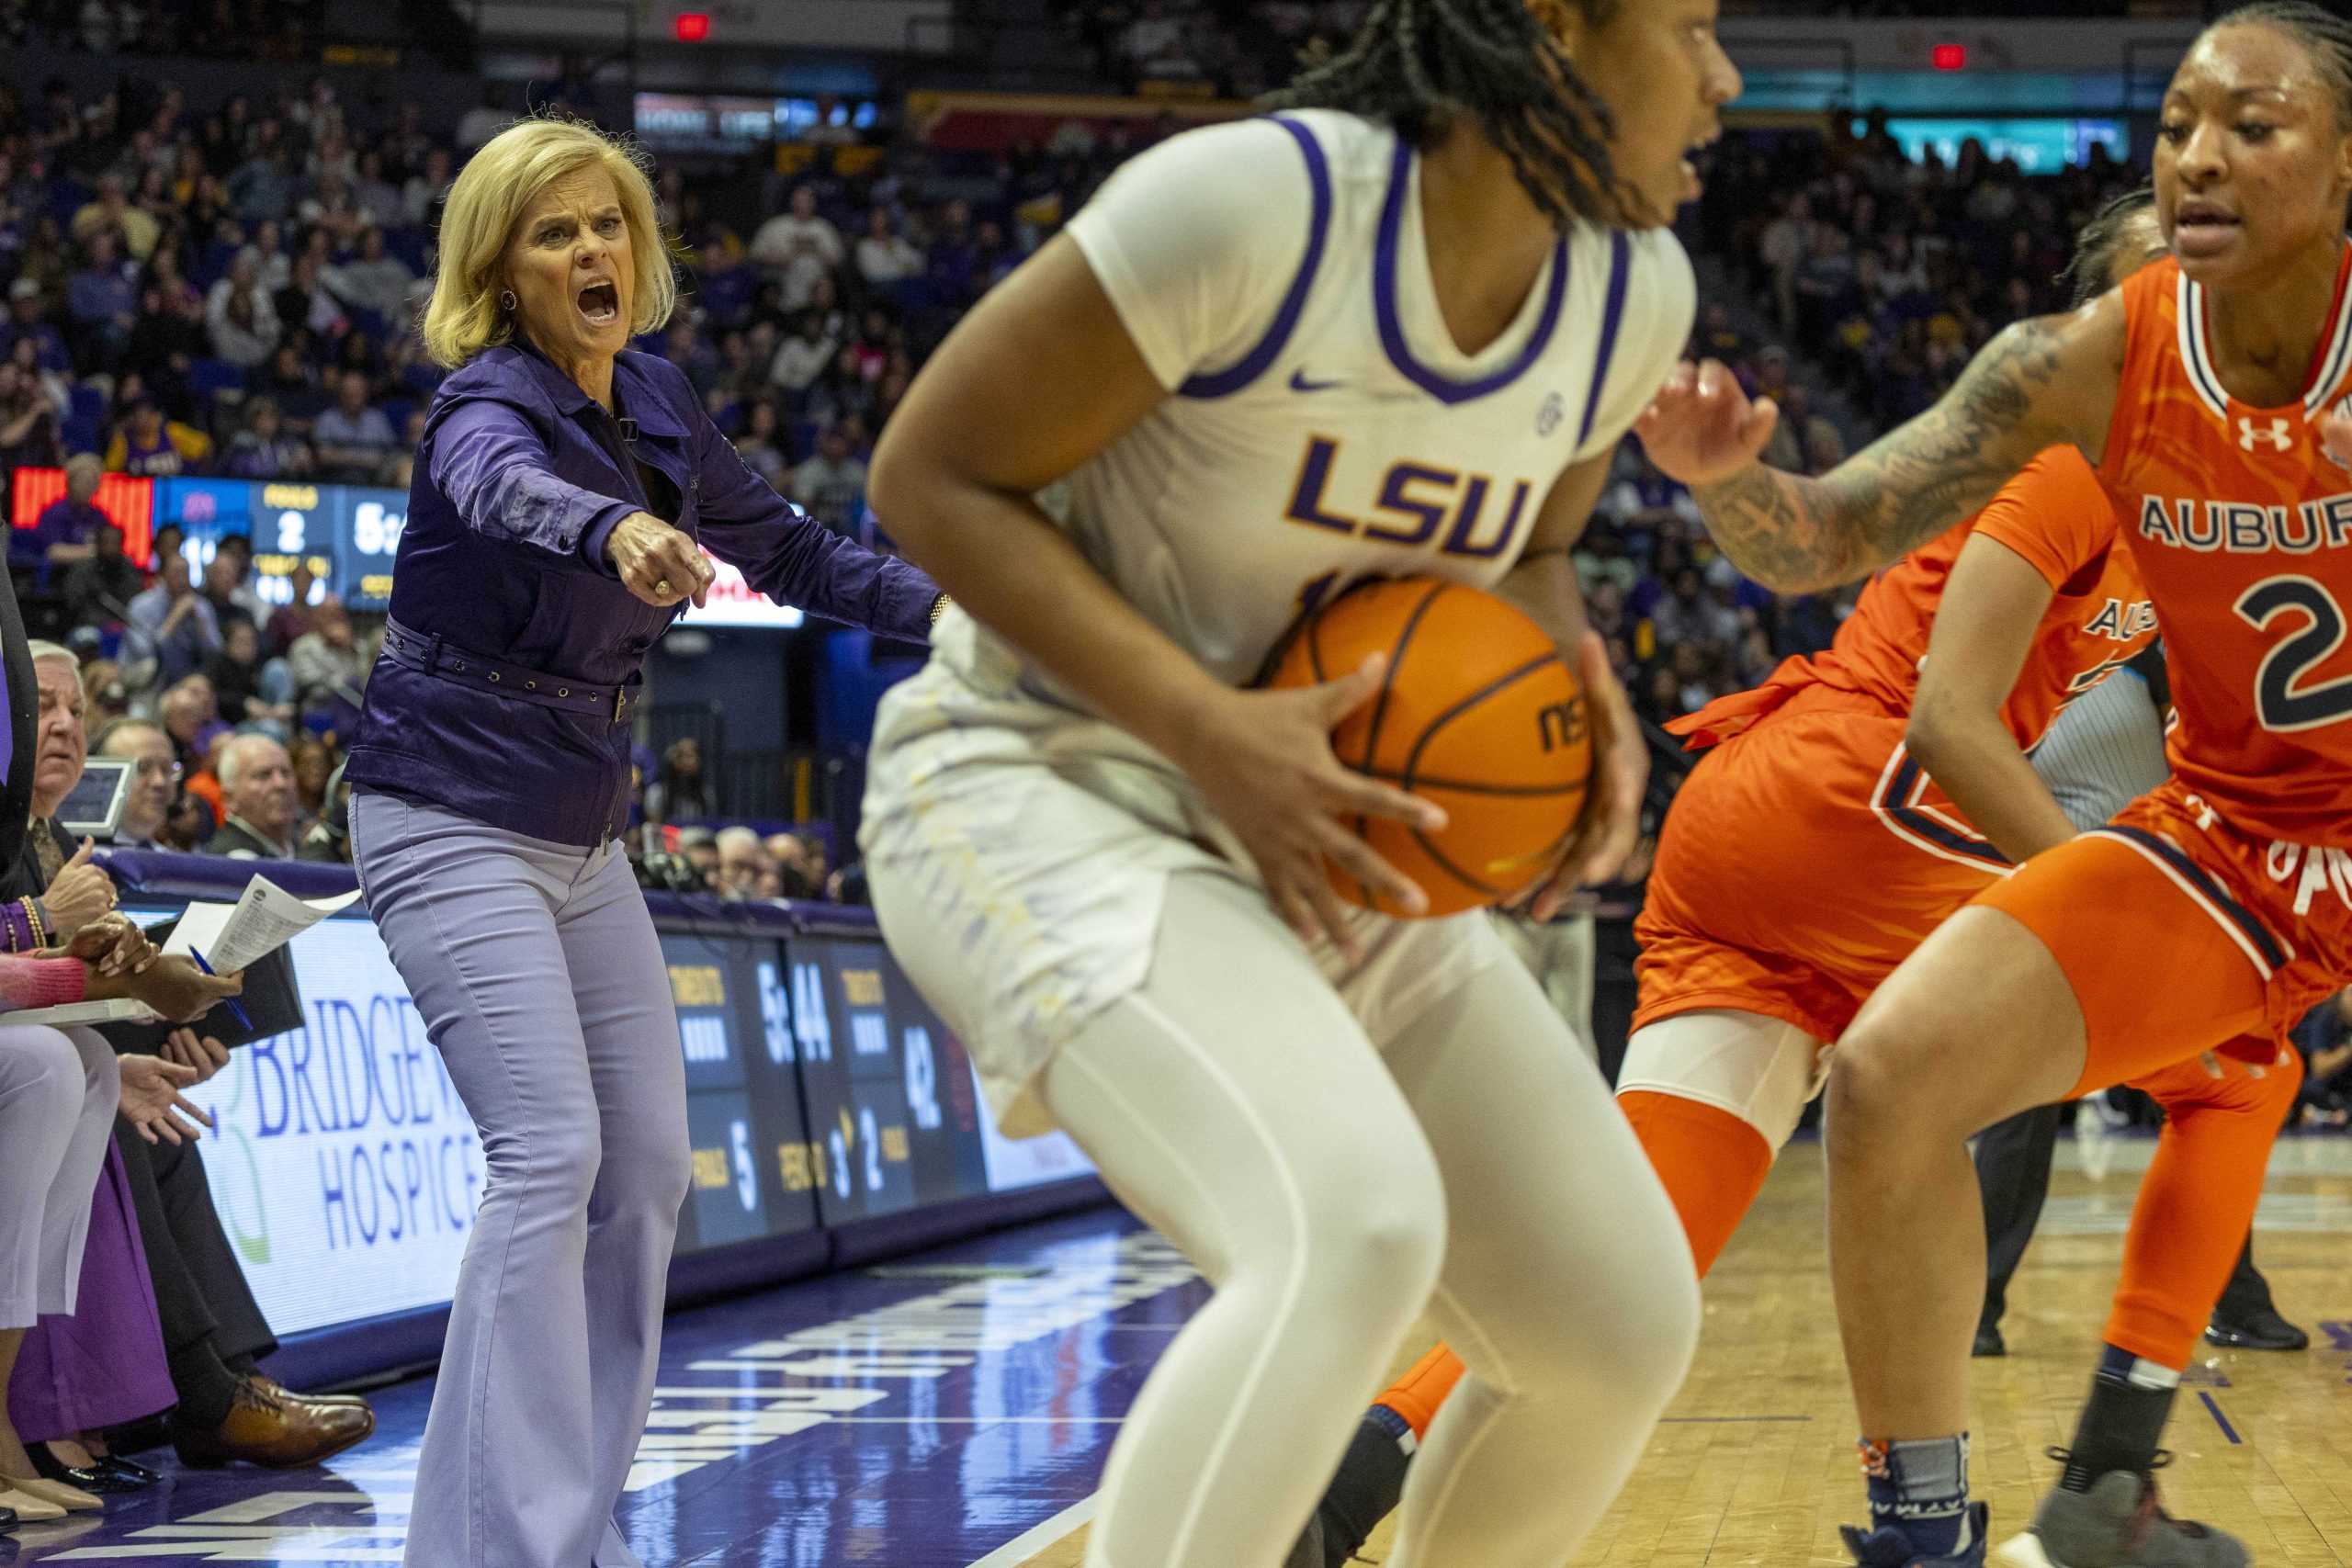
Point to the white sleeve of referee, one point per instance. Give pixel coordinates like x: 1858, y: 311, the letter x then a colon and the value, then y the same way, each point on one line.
x: 2105, y: 751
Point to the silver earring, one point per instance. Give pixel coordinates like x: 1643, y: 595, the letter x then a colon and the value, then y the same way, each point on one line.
x: 506, y: 299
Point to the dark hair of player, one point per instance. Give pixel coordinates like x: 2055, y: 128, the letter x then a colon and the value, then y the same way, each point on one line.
x: 2325, y: 33
x: 2092, y: 272
x: 1417, y: 63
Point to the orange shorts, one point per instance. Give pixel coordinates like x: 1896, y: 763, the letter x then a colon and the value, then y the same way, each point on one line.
x: 2179, y: 932
x: 1803, y: 860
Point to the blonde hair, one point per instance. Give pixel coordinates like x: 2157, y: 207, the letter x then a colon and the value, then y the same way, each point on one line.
x: 489, y: 198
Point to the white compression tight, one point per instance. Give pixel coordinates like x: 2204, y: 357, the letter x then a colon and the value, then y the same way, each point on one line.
x: 1477, y: 1167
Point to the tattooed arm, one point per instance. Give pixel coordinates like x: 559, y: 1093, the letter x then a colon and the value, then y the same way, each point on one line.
x: 2042, y: 382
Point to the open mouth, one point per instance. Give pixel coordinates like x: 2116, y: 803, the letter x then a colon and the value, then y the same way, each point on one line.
x: 2201, y: 226
x: 1691, y: 181
x: 601, y: 303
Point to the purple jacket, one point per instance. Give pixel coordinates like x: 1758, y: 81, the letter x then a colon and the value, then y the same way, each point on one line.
x: 516, y: 488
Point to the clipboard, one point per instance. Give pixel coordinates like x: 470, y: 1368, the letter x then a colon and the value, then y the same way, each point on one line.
x: 272, y: 999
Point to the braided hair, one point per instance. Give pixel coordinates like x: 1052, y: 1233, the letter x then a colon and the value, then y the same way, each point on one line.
x: 1416, y: 64
x: 2325, y: 33
x: 2098, y: 243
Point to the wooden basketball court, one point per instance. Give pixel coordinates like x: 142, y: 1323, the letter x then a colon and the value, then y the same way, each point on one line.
x: 1755, y: 1463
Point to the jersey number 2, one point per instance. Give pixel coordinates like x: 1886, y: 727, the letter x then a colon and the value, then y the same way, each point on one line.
x: 2281, y: 698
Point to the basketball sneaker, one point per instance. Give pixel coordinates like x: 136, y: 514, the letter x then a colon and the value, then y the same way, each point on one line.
x: 2117, y: 1524
x: 1888, y: 1547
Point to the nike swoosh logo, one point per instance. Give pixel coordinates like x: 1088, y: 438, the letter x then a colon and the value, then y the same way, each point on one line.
x: 1299, y: 383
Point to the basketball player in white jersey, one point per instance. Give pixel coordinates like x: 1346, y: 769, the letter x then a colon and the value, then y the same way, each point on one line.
x: 1398, y: 329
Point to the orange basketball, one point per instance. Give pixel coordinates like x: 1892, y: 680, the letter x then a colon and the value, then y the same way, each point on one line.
x: 1477, y: 712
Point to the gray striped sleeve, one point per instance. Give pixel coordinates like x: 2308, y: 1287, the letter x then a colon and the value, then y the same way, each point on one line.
x: 2105, y: 751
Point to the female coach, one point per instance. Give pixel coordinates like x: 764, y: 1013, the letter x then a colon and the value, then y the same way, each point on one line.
x: 561, y: 490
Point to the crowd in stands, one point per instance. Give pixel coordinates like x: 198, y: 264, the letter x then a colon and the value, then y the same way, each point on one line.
x: 230, y: 288
x: 1888, y: 274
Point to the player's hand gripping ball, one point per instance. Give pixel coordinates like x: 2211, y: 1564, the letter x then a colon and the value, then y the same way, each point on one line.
x: 1478, y: 714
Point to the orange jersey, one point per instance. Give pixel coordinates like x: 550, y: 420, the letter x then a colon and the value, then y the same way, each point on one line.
x: 1847, y: 854
x: 2242, y: 528
x: 2056, y: 516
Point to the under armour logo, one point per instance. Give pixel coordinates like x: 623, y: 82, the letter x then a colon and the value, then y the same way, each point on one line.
x: 2281, y: 435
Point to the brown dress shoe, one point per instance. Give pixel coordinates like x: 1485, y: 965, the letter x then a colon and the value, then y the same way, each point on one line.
x: 277, y: 1390
x: 262, y: 1428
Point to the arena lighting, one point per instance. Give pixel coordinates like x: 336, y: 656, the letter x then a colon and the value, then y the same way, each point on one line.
x: 1947, y: 56
x: 692, y: 27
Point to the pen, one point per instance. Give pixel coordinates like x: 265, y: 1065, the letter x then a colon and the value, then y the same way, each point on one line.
x: 231, y: 1002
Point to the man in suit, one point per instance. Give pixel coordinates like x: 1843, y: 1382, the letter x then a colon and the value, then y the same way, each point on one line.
x: 257, y: 789
x: 213, y: 1329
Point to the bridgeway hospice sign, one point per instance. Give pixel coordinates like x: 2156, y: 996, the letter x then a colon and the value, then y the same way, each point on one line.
x: 820, y: 1088
x: 342, y: 1162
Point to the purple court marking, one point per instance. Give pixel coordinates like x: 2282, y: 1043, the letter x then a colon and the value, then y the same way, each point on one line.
x: 933, y: 1418
x: 2221, y: 1420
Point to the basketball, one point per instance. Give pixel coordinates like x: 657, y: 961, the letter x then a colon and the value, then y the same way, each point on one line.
x: 1477, y: 713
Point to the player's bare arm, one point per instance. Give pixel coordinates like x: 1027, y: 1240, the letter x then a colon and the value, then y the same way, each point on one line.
x: 2042, y: 382
x: 1039, y: 377
x: 1985, y: 624
x: 1545, y: 584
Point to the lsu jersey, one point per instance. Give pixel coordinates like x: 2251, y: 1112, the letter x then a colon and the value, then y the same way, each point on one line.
x: 2057, y: 517
x: 2242, y: 528
x: 1322, y: 427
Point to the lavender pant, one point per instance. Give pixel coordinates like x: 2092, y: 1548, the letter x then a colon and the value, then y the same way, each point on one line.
x: 536, y: 971
x: 58, y: 1093
x: 102, y: 1364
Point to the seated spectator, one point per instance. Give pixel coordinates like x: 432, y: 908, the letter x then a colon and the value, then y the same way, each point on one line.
x: 98, y: 591
x: 111, y: 210
x: 353, y: 438
x: 377, y: 199
x: 240, y: 316
x: 797, y: 247
x: 169, y: 336
x: 699, y: 848
x: 179, y: 628
x: 305, y: 301
x: 790, y: 857
x: 67, y: 528
x: 759, y: 445
x: 376, y: 281
x: 803, y: 355
x: 154, y: 781
x: 27, y: 322
x: 104, y: 695
x: 237, y: 676
x: 102, y: 300
x: 229, y: 586
x: 679, y: 793
x: 726, y: 284
x: 290, y: 381
x: 148, y: 444
x: 262, y: 449
x: 314, y: 762
x: 886, y: 258
x: 188, y: 825
x: 328, y: 659
x: 830, y: 486
x: 743, y: 863
x: 257, y: 795
x: 290, y: 621
x: 422, y: 194
x: 190, y: 716
x: 28, y: 434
